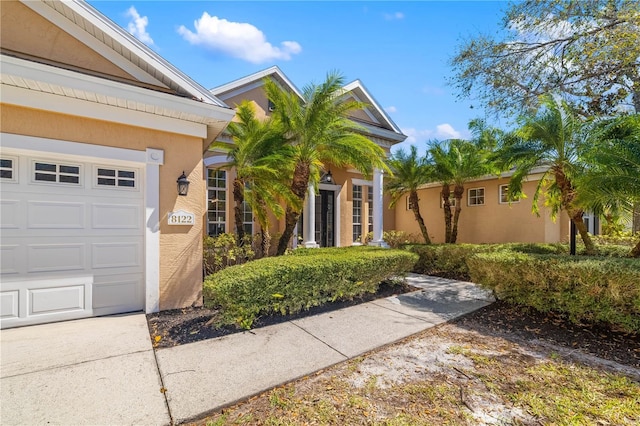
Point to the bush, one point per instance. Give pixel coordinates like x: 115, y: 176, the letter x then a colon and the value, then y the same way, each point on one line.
x: 223, y: 251
x: 395, y: 239
x: 585, y: 288
x: 307, y: 278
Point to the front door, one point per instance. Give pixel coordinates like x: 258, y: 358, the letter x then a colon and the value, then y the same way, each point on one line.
x: 325, y: 218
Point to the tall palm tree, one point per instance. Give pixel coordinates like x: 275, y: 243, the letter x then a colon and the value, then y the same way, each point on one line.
x: 320, y: 132
x: 259, y: 155
x: 409, y: 172
x: 553, y: 136
x: 455, y: 162
x: 612, y: 183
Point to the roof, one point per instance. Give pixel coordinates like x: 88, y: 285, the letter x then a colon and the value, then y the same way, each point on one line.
x: 251, y: 81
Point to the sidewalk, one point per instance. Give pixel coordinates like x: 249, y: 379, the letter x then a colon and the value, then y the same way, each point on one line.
x: 103, y: 370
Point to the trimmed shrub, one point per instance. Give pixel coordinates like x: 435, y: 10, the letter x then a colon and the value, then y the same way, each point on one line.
x: 297, y: 282
x: 585, y: 288
x: 223, y: 251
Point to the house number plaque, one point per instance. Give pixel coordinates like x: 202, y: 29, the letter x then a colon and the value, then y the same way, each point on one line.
x: 181, y: 217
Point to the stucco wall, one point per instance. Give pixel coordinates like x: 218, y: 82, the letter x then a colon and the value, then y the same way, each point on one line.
x: 180, y: 246
x: 492, y: 222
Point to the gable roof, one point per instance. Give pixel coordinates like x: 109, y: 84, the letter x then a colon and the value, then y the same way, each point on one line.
x: 158, y: 88
x: 81, y: 20
x: 254, y: 80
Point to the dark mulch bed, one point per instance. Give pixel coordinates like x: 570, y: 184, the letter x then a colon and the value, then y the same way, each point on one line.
x: 171, y: 328
x: 522, y: 323
x: 180, y: 326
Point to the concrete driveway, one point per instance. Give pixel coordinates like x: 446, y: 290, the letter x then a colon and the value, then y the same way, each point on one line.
x: 94, y: 371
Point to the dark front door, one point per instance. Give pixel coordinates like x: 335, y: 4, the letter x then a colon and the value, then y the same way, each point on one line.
x: 325, y: 218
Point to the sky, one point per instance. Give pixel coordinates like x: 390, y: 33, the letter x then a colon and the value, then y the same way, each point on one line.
x: 399, y: 50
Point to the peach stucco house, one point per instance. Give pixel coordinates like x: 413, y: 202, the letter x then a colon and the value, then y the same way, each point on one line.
x: 488, y: 217
x: 340, y: 212
x: 96, y: 128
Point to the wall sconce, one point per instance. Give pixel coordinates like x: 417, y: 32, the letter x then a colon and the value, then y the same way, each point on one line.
x: 326, y: 178
x: 183, y: 184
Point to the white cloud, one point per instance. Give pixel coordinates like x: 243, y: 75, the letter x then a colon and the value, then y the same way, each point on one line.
x: 433, y: 90
x: 394, y: 16
x: 446, y: 131
x: 391, y: 109
x: 138, y: 26
x: 237, y: 39
x: 442, y: 131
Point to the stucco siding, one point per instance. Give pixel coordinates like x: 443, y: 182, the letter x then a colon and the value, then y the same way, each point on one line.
x: 492, y: 222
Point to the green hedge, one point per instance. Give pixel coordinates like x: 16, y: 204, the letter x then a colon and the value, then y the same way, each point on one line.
x: 307, y: 278
x: 449, y: 260
x: 586, y: 288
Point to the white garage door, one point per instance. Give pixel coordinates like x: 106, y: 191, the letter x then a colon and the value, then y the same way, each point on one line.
x: 72, y: 241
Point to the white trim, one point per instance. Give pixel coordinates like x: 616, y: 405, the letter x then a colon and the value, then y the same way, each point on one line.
x: 536, y: 174
x: 362, y: 182
x: 484, y: 196
x: 60, y: 84
x: 500, y: 195
x: 216, y: 160
x: 154, y: 159
x: 357, y: 84
x: 260, y: 75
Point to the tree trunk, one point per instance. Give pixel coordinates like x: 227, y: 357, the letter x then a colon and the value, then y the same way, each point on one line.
x: 446, y: 206
x: 635, y: 252
x: 299, y: 187
x: 265, y: 241
x: 576, y: 217
x: 238, y: 197
x: 413, y: 201
x: 458, y: 192
x: 568, y: 195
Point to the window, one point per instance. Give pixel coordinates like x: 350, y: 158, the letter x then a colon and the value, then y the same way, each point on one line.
x: 247, y: 218
x: 476, y: 197
x: 56, y: 173
x: 452, y: 201
x: 357, y: 213
x: 115, y: 178
x: 504, y: 195
x: 409, y: 205
x: 370, y: 208
x: 7, y: 169
x: 217, y: 196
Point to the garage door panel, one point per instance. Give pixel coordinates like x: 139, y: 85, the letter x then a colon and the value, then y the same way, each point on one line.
x: 57, y: 299
x: 55, y: 257
x: 117, y: 293
x: 10, y: 256
x: 115, y: 216
x: 11, y: 215
x: 9, y: 304
x: 116, y: 255
x: 55, y: 215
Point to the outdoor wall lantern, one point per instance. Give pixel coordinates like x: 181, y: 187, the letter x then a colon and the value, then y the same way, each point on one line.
x: 326, y: 178
x: 183, y: 184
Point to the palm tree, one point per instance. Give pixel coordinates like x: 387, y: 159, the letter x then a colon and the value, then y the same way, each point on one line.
x: 409, y: 172
x: 259, y: 155
x: 455, y: 162
x: 553, y: 137
x: 612, y: 183
x: 320, y: 132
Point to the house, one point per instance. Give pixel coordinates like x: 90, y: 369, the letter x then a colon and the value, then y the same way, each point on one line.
x: 488, y: 217
x: 96, y: 129
x: 343, y: 209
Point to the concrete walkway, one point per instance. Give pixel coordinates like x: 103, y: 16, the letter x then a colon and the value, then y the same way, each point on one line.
x: 103, y: 371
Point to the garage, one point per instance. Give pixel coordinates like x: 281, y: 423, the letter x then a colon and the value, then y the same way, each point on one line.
x: 73, y: 234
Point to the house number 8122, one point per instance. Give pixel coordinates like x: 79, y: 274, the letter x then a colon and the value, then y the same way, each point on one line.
x: 181, y: 218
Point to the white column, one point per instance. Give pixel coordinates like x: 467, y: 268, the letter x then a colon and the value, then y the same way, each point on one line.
x: 309, y: 219
x: 378, y: 222
x: 155, y: 158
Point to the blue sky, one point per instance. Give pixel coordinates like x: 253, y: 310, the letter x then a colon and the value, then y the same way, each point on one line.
x: 399, y: 50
